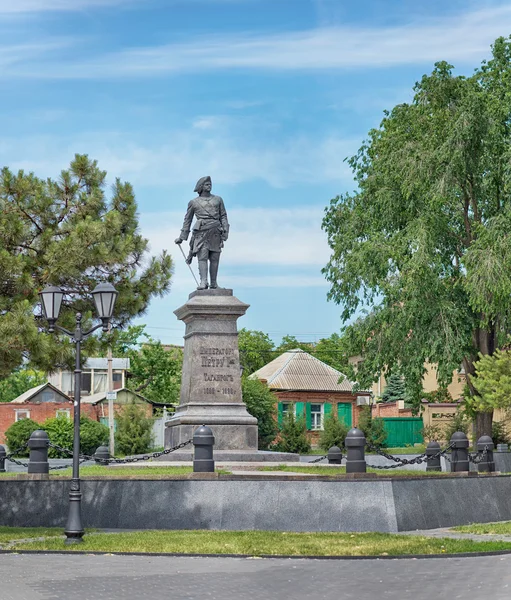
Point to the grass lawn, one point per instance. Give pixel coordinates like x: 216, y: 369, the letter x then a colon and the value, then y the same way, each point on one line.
x: 15, y: 533
x: 503, y: 527
x: 318, y: 470
x: 99, y: 471
x: 256, y: 543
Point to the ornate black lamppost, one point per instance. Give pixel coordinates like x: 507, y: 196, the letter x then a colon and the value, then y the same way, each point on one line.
x: 104, y: 296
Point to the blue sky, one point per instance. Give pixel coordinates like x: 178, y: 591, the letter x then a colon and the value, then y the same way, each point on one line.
x: 266, y: 96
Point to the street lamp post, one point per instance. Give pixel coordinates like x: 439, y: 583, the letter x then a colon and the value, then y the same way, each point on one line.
x: 104, y: 295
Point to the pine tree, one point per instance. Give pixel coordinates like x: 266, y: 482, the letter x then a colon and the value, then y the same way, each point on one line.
x: 66, y: 232
x: 395, y: 388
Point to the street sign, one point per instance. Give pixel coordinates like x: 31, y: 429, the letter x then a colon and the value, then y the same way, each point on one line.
x: 111, y: 395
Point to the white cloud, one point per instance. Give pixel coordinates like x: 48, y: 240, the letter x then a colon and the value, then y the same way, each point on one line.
x: 463, y: 38
x: 34, y: 6
x: 259, y: 236
x: 232, y: 152
x: 262, y: 239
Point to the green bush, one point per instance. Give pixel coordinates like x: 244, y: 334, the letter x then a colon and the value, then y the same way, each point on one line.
x: 92, y: 435
x: 374, y: 429
x: 460, y: 422
x: 60, y: 432
x: 293, y: 435
x: 262, y: 405
x: 333, y: 434
x: 18, y: 434
x: 499, y: 433
x: 134, y: 430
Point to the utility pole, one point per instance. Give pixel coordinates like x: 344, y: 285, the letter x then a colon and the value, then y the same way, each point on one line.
x: 110, y: 395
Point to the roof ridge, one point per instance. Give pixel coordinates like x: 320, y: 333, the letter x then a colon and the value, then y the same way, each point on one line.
x: 279, y: 371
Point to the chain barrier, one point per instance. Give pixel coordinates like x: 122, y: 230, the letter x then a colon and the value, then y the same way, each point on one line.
x: 316, y: 460
x: 402, y: 462
x: 478, y: 457
x: 127, y: 459
x: 14, y: 453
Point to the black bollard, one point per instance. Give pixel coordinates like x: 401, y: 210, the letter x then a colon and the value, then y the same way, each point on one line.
x: 38, y: 460
x: 3, y: 454
x: 432, y: 457
x: 334, y: 456
x: 459, y: 455
x: 203, y: 442
x: 487, y: 465
x: 355, y: 451
x: 102, y: 455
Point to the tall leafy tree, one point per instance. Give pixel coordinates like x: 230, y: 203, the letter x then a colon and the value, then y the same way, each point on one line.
x: 425, y: 242
x: 68, y: 232
x: 19, y: 382
x: 155, y: 369
x: 256, y: 350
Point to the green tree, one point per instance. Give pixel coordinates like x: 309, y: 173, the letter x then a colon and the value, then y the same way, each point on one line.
x: 256, y: 350
x: 289, y: 342
x: 333, y: 352
x: 262, y: 405
x: 373, y: 428
x: 293, y: 435
x: 493, y: 381
x: 134, y: 430
x: 425, y: 242
x: 395, y: 388
x: 19, y: 382
x: 155, y: 370
x: 333, y: 434
x: 67, y: 232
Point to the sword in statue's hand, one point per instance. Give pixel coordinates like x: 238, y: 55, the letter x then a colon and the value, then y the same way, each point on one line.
x: 186, y: 261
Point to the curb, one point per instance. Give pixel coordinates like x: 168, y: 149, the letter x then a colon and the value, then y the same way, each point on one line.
x: 262, y: 556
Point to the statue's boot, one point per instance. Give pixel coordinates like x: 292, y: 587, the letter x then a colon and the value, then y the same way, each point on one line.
x: 203, y: 272
x: 214, y: 260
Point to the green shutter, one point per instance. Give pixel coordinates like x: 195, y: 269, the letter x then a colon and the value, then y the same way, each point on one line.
x: 308, y: 418
x: 300, y: 410
x: 280, y: 413
x: 344, y: 413
x: 327, y: 409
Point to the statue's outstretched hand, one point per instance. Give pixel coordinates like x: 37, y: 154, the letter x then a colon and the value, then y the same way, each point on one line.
x: 178, y: 240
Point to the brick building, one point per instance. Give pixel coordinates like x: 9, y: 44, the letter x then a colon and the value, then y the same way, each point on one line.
x: 46, y: 402
x: 312, y: 389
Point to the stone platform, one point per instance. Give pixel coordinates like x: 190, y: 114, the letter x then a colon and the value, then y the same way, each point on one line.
x: 234, y: 456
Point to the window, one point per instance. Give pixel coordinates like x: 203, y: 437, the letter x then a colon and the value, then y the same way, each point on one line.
x: 316, y: 416
x: 22, y: 414
x: 117, y: 380
x: 64, y: 413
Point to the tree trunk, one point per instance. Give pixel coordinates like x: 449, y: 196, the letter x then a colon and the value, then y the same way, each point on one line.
x: 483, y: 425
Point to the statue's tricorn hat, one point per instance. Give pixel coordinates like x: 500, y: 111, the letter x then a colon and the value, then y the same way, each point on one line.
x: 201, y: 182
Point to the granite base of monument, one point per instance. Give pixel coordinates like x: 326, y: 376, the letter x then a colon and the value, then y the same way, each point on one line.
x: 211, y: 381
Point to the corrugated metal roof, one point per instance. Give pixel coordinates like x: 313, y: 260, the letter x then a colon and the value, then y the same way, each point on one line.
x: 119, y: 364
x: 299, y: 370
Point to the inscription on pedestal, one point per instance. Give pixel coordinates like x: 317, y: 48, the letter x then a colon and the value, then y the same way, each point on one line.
x: 217, y: 363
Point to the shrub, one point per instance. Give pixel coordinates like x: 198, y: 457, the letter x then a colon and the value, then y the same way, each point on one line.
x: 333, y: 434
x: 432, y: 433
x: 60, y: 432
x: 460, y: 422
x: 374, y: 429
x: 262, y: 405
x: 18, y: 434
x: 293, y: 435
x: 92, y: 435
x: 499, y: 433
x: 134, y: 430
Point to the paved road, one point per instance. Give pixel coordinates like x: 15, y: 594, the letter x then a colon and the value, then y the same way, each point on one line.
x: 44, y: 577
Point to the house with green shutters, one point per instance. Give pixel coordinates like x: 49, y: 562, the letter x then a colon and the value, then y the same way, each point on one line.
x: 312, y: 389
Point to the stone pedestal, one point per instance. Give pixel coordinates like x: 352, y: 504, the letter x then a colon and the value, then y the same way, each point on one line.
x: 211, y: 380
